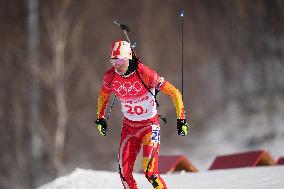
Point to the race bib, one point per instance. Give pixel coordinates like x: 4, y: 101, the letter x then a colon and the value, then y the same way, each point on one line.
x: 140, y: 109
x: 155, y: 138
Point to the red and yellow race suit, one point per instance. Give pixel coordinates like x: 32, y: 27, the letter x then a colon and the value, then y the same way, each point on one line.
x: 140, y: 125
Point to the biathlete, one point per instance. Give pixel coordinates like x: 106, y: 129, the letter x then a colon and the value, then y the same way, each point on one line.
x: 136, y: 86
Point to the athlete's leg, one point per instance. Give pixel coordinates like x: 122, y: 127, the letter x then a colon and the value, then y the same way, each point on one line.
x: 151, y: 145
x: 128, y: 151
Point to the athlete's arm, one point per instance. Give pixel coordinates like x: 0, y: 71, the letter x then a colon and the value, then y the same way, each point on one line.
x: 175, y: 95
x: 104, y: 94
x: 153, y: 79
x: 102, y: 103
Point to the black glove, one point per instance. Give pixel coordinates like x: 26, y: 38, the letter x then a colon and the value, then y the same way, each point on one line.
x: 102, y: 126
x: 182, y: 127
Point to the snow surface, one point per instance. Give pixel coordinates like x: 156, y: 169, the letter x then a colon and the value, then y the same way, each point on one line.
x: 243, y: 178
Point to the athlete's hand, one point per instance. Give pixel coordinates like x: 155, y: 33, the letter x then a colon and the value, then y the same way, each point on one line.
x: 182, y: 127
x: 102, y: 126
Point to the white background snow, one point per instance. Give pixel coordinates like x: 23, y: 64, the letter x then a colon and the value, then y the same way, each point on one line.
x: 244, y: 178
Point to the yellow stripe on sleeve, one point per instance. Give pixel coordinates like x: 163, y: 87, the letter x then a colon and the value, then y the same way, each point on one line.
x: 102, y: 103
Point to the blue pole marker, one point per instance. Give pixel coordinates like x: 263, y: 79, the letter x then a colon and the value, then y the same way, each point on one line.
x: 181, y: 13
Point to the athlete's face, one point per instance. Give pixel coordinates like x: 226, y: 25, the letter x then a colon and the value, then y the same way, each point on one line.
x: 120, y: 65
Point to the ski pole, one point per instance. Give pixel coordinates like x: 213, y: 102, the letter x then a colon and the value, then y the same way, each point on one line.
x: 111, y: 107
x: 181, y: 15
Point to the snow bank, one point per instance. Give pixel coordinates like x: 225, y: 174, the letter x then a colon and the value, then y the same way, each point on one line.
x: 245, y: 178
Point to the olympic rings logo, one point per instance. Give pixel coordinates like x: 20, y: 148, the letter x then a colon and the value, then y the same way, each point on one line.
x: 127, y: 88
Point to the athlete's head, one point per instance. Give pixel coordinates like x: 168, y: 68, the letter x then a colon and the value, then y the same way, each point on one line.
x: 121, y: 53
